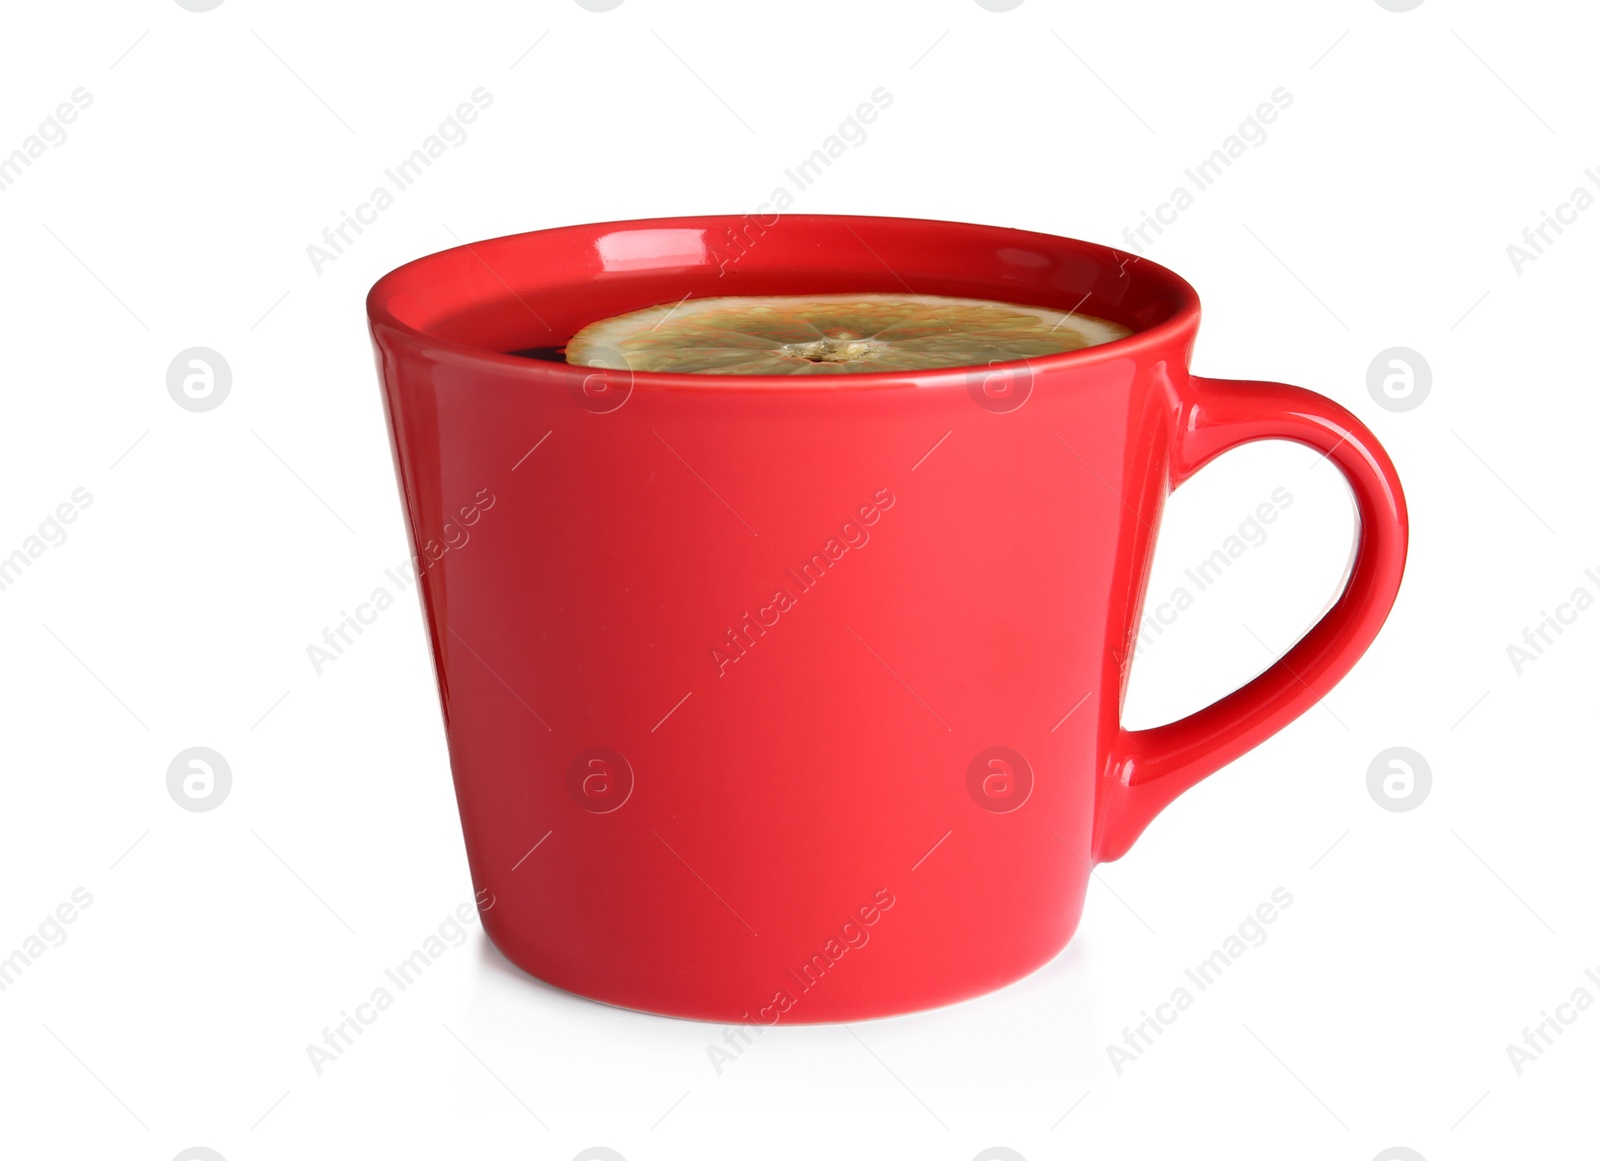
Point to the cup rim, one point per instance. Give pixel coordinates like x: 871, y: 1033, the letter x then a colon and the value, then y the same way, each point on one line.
x: 381, y: 312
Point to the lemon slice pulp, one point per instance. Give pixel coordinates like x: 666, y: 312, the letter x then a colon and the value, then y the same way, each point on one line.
x: 831, y: 334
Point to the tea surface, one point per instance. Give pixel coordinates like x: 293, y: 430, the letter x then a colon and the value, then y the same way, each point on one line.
x: 832, y: 334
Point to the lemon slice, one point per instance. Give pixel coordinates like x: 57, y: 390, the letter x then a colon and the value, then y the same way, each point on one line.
x: 831, y: 334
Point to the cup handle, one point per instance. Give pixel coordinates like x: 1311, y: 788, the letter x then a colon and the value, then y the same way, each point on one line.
x: 1149, y: 768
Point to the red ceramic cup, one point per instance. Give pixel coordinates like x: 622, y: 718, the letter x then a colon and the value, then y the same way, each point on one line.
x: 780, y: 699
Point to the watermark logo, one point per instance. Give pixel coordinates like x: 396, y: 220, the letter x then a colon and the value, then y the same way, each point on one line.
x: 198, y: 379
x: 604, y: 383
x: 50, y: 933
x: 1000, y: 780
x: 851, y: 133
x: 452, y: 133
x: 1398, y: 379
x: 852, y: 935
x: 337, y: 638
x: 1536, y: 239
x: 51, y: 534
x: 1539, y: 1038
x: 1250, y: 933
x: 1537, y: 638
x: 1001, y: 386
x: 600, y: 780
x: 1251, y: 134
x: 449, y: 933
x: 1399, y: 779
x: 1251, y: 533
x: 51, y: 134
x: 199, y: 779
x: 852, y: 534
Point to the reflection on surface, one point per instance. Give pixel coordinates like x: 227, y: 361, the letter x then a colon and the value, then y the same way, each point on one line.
x: 651, y: 249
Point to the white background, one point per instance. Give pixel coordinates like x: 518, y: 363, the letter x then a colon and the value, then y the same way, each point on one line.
x: 218, y: 545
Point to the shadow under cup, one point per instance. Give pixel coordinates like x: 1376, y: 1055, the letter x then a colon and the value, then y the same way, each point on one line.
x: 794, y: 699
